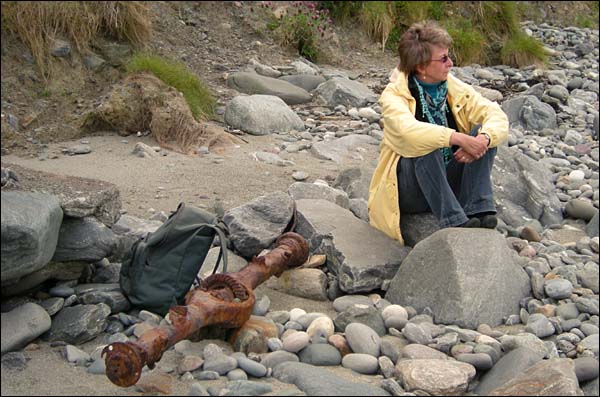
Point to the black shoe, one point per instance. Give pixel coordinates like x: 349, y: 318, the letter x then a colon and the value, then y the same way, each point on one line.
x: 489, y: 222
x: 488, y: 219
x: 472, y: 222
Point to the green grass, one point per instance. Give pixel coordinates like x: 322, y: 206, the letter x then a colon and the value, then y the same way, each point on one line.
x: 392, y: 43
x: 178, y: 76
x: 585, y: 21
x: 409, y: 12
x: 468, y: 44
x: 436, y: 10
x: 522, y: 50
x: 499, y: 18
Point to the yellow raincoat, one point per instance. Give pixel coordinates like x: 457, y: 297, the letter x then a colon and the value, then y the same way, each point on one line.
x: 404, y: 136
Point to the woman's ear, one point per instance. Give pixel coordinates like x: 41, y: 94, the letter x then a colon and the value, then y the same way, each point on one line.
x: 420, y: 69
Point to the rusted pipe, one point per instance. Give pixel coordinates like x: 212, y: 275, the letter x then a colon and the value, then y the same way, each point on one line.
x: 221, y: 299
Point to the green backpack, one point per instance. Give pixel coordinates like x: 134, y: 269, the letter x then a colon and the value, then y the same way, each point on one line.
x: 160, y: 268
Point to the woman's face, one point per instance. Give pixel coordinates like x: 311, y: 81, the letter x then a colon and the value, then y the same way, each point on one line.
x: 438, y: 67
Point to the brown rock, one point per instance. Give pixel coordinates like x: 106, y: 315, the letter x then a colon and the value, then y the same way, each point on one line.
x: 547, y: 310
x: 340, y: 343
x: 530, y: 234
x: 305, y: 283
x: 252, y: 337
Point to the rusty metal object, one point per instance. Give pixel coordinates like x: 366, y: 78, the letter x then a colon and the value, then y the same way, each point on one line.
x: 221, y: 299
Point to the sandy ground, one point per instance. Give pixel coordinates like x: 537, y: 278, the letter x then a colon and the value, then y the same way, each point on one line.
x: 158, y: 184
x: 229, y: 174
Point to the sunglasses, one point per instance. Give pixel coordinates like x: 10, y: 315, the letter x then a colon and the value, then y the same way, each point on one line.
x: 443, y: 59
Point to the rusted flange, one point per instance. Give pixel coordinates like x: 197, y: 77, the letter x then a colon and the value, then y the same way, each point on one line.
x: 124, y: 362
x: 298, y: 246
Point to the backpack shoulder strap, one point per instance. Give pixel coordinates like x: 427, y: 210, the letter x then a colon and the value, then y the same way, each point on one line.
x: 222, y: 231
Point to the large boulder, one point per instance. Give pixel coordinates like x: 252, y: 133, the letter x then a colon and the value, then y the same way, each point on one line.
x: 252, y: 83
x: 361, y: 256
x: 30, y: 225
x: 466, y: 277
x: 523, y: 189
x: 261, y: 115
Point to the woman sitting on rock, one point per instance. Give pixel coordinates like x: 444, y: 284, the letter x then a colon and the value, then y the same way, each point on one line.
x: 439, y: 140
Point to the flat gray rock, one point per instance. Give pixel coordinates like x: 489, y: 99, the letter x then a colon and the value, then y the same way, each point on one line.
x: 304, y: 190
x: 361, y: 256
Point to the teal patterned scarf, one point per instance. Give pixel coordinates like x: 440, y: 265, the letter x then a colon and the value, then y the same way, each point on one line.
x: 434, y: 105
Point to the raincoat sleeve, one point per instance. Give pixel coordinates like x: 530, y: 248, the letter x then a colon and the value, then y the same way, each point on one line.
x: 491, y: 117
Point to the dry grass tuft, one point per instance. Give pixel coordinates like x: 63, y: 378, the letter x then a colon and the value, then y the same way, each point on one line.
x: 39, y: 23
x: 377, y: 18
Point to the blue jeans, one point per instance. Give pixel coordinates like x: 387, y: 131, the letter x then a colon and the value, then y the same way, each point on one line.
x: 451, y: 192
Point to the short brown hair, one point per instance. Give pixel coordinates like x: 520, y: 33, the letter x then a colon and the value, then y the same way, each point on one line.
x: 414, y: 47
